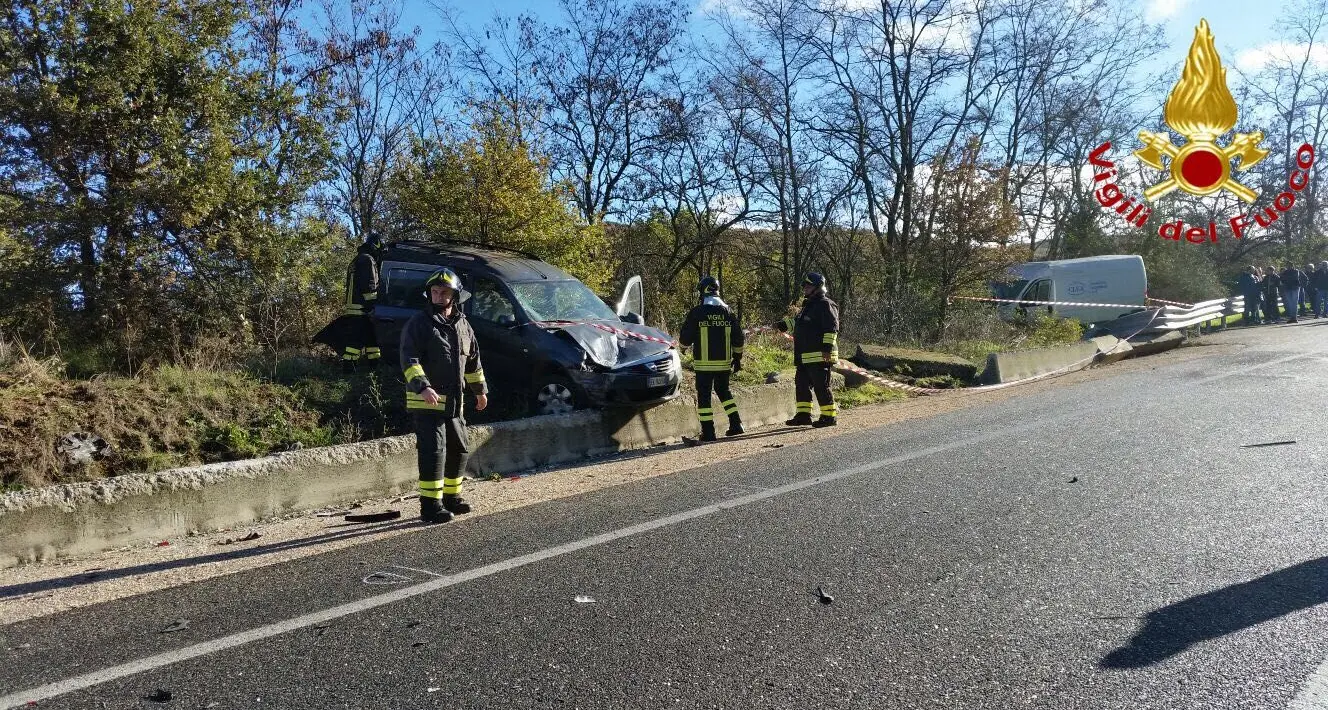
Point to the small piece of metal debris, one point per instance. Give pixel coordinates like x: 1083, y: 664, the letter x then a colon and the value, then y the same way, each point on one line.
x: 180, y: 625
x: 160, y: 695
x: 583, y: 599
x: 419, y: 643
x: 1074, y: 479
x: 434, y: 690
x: 1270, y: 443
x: 825, y: 598
x: 774, y: 446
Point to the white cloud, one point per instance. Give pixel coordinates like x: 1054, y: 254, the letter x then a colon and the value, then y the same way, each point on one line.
x: 1257, y: 58
x: 1159, y: 10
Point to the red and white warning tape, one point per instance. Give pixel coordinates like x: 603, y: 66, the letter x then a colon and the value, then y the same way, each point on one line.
x: 606, y: 328
x: 1171, y: 303
x: 1047, y: 303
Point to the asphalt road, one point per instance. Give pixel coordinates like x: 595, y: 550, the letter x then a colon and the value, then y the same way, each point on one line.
x: 1102, y: 545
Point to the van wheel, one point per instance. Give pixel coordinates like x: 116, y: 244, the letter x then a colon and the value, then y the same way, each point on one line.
x: 555, y: 394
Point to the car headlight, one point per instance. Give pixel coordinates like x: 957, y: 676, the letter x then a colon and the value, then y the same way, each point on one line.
x: 676, y: 367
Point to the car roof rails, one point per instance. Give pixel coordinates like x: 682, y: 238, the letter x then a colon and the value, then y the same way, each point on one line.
x: 442, y: 244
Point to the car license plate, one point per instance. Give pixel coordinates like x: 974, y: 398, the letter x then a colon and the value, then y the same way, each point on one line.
x: 659, y: 381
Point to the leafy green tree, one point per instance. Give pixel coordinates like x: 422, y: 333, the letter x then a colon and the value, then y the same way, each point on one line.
x: 491, y: 188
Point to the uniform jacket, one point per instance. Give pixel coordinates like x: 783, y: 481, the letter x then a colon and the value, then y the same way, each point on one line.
x: 441, y: 353
x: 714, y: 334
x: 815, y: 331
x: 361, y: 284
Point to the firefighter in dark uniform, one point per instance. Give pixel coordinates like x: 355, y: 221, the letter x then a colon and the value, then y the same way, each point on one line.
x: 815, y: 333
x: 361, y: 295
x: 441, y: 360
x: 714, y: 333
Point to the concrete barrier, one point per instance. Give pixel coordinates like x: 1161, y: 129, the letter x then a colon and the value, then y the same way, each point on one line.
x: 1021, y: 364
x: 84, y: 518
x: 1153, y: 344
x: 1112, y: 349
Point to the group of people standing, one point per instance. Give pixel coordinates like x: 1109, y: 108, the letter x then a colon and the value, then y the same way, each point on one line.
x: 1302, y: 293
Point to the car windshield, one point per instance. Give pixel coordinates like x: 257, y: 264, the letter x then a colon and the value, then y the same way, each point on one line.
x: 560, y: 300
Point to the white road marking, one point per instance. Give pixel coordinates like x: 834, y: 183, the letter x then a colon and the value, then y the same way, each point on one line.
x: 1314, y: 694
x: 421, y: 571
x: 142, y: 665
x: 1251, y: 368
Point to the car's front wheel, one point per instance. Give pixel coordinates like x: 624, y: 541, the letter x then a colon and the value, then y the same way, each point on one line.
x: 555, y: 394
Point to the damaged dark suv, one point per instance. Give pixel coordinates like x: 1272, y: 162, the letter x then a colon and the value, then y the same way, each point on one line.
x: 548, y: 342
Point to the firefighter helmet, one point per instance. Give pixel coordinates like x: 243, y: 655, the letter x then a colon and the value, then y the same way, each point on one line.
x: 816, y: 281
x: 709, y: 286
x: 445, y: 277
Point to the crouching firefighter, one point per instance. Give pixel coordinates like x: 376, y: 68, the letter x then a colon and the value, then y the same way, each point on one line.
x: 815, y: 333
x: 361, y: 295
x: 441, y: 359
x: 715, y: 336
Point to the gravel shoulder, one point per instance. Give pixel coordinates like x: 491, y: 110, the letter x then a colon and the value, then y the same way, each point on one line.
x: 61, y: 585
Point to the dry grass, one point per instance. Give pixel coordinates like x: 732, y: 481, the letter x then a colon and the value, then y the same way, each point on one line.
x: 166, y: 417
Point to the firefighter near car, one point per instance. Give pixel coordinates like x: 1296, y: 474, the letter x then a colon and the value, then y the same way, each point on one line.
x: 441, y: 361
x: 714, y: 333
x: 815, y: 331
x: 352, y: 334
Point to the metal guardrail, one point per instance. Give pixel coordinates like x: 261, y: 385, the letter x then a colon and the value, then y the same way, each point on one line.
x: 1202, y: 314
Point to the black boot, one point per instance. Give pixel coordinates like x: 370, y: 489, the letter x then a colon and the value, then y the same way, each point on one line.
x: 707, y: 431
x: 432, y: 511
x: 454, y: 503
x: 824, y: 422
x: 735, y: 426
x: 801, y: 419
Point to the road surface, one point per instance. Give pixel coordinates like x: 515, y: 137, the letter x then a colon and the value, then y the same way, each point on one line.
x: 1106, y: 544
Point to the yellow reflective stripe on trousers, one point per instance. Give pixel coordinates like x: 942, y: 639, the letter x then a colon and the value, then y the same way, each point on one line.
x: 705, y: 414
x: 804, y: 407
x: 414, y: 371
x: 474, y: 378
x: 711, y: 365
x: 372, y: 353
x: 431, y: 489
x: 830, y: 410
x: 451, y: 486
x: 830, y: 338
x: 818, y: 358
x: 730, y: 406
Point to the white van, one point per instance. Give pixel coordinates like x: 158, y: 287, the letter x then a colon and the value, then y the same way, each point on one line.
x: 1116, y: 279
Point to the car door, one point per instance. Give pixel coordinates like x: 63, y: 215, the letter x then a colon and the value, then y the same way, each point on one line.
x: 493, y: 314
x: 401, y: 296
x: 1039, y: 290
x: 632, y: 306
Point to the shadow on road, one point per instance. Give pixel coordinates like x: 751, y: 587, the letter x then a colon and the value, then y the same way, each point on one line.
x: 75, y: 580
x: 1173, y: 629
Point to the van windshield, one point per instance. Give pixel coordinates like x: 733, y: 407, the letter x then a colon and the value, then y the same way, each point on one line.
x: 560, y: 300
x: 1009, y: 291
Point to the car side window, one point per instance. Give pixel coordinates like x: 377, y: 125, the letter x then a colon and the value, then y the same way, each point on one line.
x: 487, y: 302
x: 405, y: 287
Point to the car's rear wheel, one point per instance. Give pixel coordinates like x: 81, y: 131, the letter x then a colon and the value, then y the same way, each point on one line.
x: 555, y: 394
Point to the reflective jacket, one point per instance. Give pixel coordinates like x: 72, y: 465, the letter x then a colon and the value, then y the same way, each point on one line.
x: 815, y: 331
x: 361, y: 284
x: 714, y: 334
x: 441, y: 353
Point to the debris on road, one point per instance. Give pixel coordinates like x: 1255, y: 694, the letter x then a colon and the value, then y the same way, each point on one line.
x: 1270, y: 443
x: 160, y: 695
x: 231, y: 541
x: 180, y: 625
x: 164, y: 543
x: 824, y: 598
x: 1074, y: 479
x: 583, y: 599
x: 774, y: 446
x: 378, y: 517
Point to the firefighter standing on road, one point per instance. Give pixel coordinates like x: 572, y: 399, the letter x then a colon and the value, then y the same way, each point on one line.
x: 815, y: 333
x: 715, y: 334
x: 361, y: 295
x: 441, y: 359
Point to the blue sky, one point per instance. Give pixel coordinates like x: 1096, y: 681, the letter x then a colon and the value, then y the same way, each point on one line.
x: 1238, y: 30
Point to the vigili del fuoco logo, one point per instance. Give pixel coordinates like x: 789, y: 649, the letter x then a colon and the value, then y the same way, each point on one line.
x: 1201, y: 109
